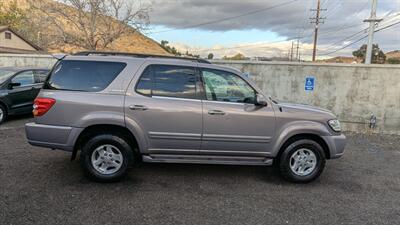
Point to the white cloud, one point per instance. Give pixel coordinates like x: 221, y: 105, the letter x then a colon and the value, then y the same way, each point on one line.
x: 344, y: 18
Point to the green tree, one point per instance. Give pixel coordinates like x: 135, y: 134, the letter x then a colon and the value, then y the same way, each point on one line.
x: 210, y: 56
x: 169, y: 49
x: 174, y: 51
x: 378, y: 57
x: 393, y: 61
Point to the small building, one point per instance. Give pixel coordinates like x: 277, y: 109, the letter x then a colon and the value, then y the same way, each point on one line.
x: 12, y: 42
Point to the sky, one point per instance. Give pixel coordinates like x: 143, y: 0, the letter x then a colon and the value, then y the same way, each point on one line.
x: 268, y: 27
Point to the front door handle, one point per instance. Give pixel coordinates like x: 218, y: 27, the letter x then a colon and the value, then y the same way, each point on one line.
x: 216, y: 112
x: 138, y: 107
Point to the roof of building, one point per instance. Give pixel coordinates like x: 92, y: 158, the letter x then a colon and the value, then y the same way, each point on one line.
x: 4, y: 28
x: 19, y: 51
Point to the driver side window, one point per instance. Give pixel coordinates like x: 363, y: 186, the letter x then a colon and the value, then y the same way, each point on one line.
x: 227, y: 87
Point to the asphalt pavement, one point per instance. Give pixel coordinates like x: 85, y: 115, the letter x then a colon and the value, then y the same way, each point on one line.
x: 41, y: 186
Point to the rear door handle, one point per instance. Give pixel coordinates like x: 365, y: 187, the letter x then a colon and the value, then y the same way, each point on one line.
x: 216, y: 112
x: 138, y: 107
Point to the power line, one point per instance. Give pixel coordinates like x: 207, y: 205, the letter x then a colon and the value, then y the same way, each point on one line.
x: 344, y: 27
x: 228, y: 18
x: 354, y: 42
x: 358, y: 33
x: 349, y: 37
x: 364, y: 30
x: 291, y: 39
x: 335, y: 7
x: 242, y: 46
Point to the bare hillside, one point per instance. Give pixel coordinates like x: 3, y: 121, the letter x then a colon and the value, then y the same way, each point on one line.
x: 134, y: 42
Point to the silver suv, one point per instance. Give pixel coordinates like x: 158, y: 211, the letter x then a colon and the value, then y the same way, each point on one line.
x: 118, y: 109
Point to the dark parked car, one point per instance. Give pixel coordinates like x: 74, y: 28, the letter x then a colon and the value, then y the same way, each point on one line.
x: 19, y: 86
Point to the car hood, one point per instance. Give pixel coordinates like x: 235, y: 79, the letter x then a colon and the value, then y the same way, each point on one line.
x: 305, y: 109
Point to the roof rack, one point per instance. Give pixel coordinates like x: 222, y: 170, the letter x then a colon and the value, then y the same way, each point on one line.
x: 139, y: 55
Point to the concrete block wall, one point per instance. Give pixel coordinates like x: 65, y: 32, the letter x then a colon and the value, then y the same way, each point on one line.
x: 352, y: 92
x: 46, y: 61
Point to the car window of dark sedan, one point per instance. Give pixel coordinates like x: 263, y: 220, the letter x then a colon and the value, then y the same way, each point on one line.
x: 5, y: 74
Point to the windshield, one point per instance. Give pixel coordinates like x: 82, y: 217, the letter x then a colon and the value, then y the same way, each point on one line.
x: 5, y: 74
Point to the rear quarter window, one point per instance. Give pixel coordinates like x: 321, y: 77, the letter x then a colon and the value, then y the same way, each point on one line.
x: 89, y: 76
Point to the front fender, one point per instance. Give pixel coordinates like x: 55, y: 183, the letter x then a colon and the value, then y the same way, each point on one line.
x: 295, y: 128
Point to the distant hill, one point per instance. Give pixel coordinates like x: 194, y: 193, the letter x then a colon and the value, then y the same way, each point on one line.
x: 393, y: 54
x: 341, y: 59
x: 393, y: 57
x: 134, y: 42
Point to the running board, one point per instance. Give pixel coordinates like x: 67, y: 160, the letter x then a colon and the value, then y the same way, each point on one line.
x: 208, y: 159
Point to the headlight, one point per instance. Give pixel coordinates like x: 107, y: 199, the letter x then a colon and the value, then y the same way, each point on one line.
x: 335, y: 125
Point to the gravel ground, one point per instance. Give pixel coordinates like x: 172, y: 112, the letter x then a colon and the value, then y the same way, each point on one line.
x: 40, y: 186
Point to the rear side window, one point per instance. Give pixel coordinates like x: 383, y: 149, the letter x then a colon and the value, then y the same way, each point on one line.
x: 168, y: 81
x: 90, y: 76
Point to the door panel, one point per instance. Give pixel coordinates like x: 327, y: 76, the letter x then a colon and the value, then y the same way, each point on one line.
x: 22, y: 97
x: 166, y: 107
x: 171, y: 125
x: 233, y: 124
x: 243, y: 129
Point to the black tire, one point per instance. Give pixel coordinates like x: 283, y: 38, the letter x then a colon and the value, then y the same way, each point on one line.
x: 106, y: 139
x: 3, y: 112
x: 284, y: 163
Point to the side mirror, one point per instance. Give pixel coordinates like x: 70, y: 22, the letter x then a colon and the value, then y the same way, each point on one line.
x: 12, y: 85
x: 261, y: 100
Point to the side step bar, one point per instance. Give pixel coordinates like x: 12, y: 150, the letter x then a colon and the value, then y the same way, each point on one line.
x: 208, y: 159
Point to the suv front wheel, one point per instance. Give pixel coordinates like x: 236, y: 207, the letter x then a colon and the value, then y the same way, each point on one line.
x: 302, y: 161
x: 105, y: 157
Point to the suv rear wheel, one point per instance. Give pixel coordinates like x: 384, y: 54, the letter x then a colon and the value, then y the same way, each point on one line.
x: 3, y: 114
x: 106, y: 157
x: 302, y: 161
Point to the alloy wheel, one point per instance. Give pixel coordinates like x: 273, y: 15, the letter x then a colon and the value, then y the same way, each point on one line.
x: 107, y: 159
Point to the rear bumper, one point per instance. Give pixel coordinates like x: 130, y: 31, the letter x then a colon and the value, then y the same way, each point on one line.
x: 55, y: 137
x: 336, y: 145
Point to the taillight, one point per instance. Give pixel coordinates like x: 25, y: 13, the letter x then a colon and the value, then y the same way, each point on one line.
x: 42, y: 105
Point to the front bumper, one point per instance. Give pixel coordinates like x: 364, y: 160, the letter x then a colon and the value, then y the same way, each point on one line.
x: 55, y: 137
x: 336, y: 145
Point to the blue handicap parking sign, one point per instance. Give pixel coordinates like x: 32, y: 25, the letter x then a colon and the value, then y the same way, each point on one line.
x: 309, y: 84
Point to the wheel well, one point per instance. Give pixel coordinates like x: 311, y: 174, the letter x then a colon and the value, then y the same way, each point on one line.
x: 91, y: 131
x: 313, y: 137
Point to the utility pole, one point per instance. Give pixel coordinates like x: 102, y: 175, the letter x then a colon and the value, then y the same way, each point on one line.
x: 291, y: 52
x: 372, y: 22
x: 317, y: 20
x: 297, y: 52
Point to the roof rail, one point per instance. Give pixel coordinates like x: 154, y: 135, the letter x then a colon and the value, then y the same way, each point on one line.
x: 138, y: 55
